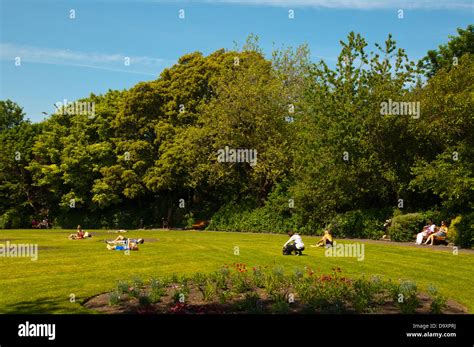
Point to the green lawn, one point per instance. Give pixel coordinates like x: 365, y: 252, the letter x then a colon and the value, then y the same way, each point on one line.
x: 85, y: 268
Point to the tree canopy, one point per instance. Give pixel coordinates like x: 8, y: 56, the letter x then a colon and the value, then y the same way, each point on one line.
x: 323, y: 139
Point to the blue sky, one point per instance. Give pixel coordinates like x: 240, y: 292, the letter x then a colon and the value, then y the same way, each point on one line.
x: 63, y: 58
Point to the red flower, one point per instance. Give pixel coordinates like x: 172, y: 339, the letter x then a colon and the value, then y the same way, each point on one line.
x: 178, y: 308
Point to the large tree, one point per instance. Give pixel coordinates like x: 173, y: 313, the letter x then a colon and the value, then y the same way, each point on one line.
x: 448, y: 54
x: 11, y: 114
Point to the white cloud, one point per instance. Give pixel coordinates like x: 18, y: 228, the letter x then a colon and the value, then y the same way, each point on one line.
x: 111, y: 62
x: 356, y: 4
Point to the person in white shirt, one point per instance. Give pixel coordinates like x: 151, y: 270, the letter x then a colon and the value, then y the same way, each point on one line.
x: 429, y: 229
x: 295, y: 243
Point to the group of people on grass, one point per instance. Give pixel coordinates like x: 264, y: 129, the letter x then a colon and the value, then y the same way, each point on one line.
x: 121, y: 243
x: 44, y: 224
x: 295, y: 243
x: 430, y: 233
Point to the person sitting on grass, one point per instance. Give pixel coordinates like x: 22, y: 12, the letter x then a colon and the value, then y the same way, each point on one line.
x: 326, y: 240
x: 80, y: 234
x: 442, y: 232
x: 294, y: 244
x: 122, y: 243
x: 428, y: 229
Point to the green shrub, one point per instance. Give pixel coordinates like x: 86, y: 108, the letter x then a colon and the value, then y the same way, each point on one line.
x: 133, y: 292
x: 13, y: 219
x: 114, y: 298
x: 122, y: 287
x: 438, y: 303
x: 179, y: 296
x: 405, y: 296
x: 453, y: 231
x: 461, y: 230
x: 437, y: 216
x: 157, y: 290
x: 347, y: 224
x: 137, y: 282
x: 280, y: 306
x: 241, y: 283
x: 258, y: 277
x: 305, y: 291
x: 208, y: 290
x: 224, y: 296
x: 144, y: 300
x: 251, y: 303
x: 366, y: 294
x: 220, y: 278
x: 405, y: 226
x: 360, y: 223
x: 275, y: 216
x: 199, y: 279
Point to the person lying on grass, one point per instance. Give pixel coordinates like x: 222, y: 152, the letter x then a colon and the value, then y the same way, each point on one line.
x: 442, y: 232
x: 122, y: 243
x: 428, y: 229
x: 80, y: 234
x: 326, y: 240
x: 294, y: 244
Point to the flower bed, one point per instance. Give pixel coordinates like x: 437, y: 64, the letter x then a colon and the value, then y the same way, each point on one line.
x: 235, y: 289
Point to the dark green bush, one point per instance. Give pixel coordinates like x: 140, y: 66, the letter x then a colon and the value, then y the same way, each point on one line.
x: 14, y: 219
x: 360, y: 224
x: 405, y: 226
x: 461, y: 230
x: 276, y: 217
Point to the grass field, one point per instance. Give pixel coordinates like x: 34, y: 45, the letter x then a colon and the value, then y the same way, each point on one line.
x: 85, y: 268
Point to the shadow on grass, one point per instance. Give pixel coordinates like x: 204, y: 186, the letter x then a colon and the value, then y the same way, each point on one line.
x: 42, y: 306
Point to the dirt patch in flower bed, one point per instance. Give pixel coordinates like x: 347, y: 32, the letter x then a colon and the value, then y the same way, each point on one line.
x: 234, y: 290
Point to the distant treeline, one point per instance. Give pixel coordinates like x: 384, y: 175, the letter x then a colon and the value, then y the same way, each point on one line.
x: 255, y: 143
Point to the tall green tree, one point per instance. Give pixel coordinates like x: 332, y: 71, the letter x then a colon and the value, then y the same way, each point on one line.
x: 448, y: 54
x: 11, y: 114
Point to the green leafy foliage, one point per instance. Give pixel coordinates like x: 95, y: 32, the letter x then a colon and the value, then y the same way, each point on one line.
x: 461, y: 230
x: 325, y: 151
x: 445, y: 55
x: 405, y: 226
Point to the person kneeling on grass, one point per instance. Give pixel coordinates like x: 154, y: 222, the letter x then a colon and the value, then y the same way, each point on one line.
x: 442, y: 232
x: 295, y: 243
x: 122, y: 243
x: 326, y: 240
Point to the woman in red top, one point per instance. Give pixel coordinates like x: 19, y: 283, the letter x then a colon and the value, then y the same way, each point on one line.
x: 80, y: 232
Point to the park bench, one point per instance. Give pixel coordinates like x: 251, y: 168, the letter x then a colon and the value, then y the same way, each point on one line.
x: 439, y: 240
